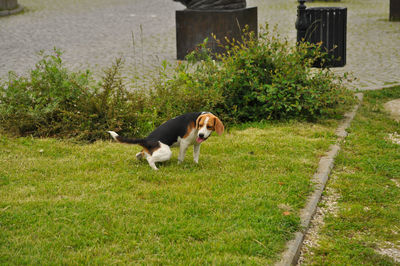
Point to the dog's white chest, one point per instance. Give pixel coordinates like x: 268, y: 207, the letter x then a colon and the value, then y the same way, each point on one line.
x: 188, y: 140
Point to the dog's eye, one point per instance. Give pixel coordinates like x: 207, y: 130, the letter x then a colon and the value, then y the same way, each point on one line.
x: 209, y: 127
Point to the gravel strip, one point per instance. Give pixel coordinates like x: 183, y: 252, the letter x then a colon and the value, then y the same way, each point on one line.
x: 293, y: 248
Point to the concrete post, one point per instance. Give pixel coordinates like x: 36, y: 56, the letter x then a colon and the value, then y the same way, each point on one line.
x: 394, y: 10
x: 9, y: 7
x: 8, y: 4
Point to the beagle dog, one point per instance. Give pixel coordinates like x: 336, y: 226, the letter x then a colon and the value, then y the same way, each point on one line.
x: 183, y: 131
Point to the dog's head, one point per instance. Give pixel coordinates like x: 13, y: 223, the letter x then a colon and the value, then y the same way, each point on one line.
x: 207, y: 123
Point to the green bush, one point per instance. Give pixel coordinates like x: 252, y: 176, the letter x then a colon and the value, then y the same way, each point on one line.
x: 54, y: 102
x: 40, y: 104
x: 267, y: 78
x: 256, y: 79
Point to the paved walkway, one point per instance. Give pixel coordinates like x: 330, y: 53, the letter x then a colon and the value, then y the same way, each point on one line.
x: 90, y: 32
x: 93, y: 32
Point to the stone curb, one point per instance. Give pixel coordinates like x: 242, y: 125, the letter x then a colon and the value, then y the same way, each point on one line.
x: 4, y: 13
x: 293, y: 247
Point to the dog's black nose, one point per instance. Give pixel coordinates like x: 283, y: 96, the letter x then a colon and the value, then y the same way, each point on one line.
x: 201, y: 135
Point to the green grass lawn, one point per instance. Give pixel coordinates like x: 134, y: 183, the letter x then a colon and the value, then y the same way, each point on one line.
x: 366, y: 178
x: 69, y: 203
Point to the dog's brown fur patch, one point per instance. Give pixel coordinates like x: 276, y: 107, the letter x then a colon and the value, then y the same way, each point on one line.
x: 190, y: 127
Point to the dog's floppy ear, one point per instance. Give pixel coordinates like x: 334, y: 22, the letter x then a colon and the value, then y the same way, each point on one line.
x: 198, y: 121
x: 219, y: 127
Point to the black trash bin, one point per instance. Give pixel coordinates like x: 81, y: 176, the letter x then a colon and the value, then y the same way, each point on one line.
x: 327, y: 25
x: 394, y: 10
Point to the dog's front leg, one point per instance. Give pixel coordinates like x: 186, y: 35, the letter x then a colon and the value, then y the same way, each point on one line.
x: 196, y: 152
x: 182, y: 151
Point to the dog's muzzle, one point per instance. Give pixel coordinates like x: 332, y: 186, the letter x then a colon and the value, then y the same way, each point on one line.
x: 200, y: 138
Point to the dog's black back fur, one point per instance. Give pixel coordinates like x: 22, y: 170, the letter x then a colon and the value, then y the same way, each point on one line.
x: 148, y: 144
x: 169, y: 132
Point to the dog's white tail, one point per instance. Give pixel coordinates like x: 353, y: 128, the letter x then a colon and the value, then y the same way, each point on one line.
x: 142, y: 142
x: 113, y: 134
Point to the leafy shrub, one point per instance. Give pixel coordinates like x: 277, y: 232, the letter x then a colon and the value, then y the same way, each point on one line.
x: 53, y: 101
x: 256, y: 79
x: 180, y: 92
x: 40, y: 104
x: 266, y: 78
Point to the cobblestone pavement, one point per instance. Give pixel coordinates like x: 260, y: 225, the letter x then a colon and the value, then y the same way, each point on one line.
x: 94, y: 32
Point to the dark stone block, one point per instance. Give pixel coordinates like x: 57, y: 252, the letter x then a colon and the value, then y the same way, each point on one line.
x: 8, y: 4
x: 193, y: 26
x: 213, y: 4
x: 394, y: 10
x: 323, y: 1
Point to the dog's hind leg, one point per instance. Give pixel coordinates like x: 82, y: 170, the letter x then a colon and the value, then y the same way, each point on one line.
x: 151, y: 161
x: 140, y: 155
x: 162, y: 154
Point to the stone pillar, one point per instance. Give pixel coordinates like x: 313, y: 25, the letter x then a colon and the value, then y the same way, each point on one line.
x: 394, y: 10
x: 324, y: 0
x: 9, y: 7
x: 8, y: 4
x: 193, y: 26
